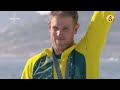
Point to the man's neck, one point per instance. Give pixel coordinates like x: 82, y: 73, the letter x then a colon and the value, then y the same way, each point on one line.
x: 58, y: 52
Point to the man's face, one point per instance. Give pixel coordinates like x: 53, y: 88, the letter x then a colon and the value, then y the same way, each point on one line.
x: 62, y: 30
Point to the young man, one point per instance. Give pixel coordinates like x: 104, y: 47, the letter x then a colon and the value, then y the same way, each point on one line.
x: 66, y: 59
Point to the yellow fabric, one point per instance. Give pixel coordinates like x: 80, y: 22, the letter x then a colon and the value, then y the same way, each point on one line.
x: 90, y: 46
x: 28, y: 69
x: 63, y: 62
x: 92, y: 43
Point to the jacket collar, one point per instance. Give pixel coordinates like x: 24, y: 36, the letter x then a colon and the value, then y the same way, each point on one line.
x: 64, y: 55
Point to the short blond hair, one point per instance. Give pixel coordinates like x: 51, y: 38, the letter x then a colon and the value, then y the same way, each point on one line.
x: 73, y: 14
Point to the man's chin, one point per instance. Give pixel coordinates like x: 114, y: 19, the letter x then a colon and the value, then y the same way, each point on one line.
x: 61, y: 48
x: 60, y: 44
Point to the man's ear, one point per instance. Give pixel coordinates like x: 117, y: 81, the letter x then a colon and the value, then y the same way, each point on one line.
x: 49, y: 25
x: 77, y: 27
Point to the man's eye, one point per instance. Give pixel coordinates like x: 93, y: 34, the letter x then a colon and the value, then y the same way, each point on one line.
x: 65, y: 28
x: 55, y: 28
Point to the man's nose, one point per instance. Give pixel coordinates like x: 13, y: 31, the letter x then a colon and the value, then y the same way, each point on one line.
x: 59, y: 32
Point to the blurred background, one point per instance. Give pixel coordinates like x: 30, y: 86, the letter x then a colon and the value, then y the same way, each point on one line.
x: 25, y: 33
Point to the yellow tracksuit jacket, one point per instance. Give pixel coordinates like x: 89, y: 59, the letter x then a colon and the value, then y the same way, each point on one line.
x: 85, y: 58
